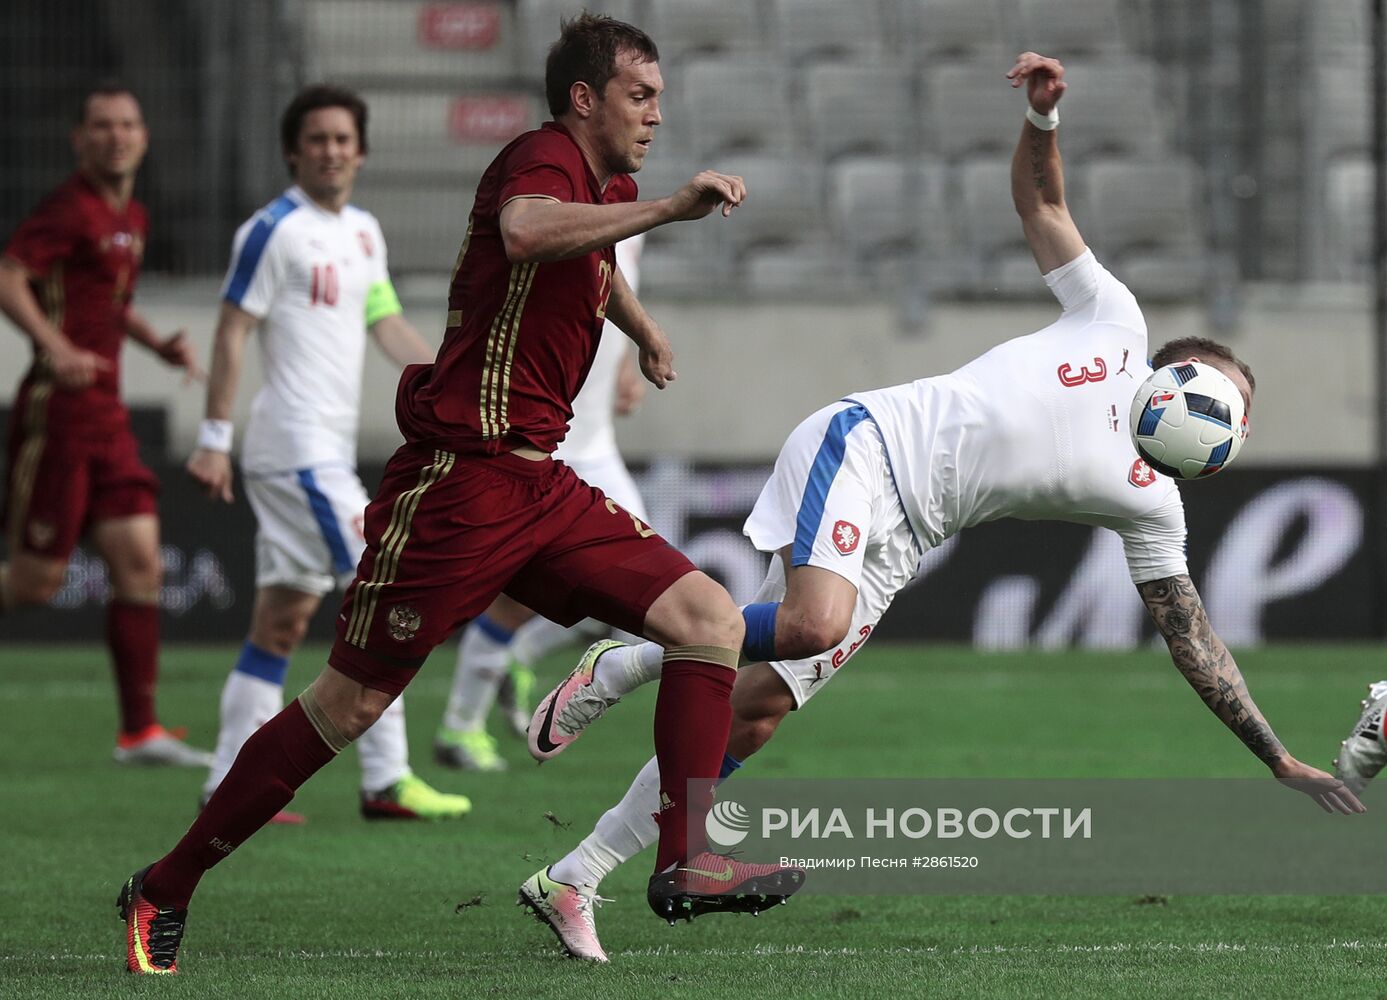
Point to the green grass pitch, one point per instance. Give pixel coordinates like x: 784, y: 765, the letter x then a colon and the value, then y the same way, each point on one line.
x: 339, y: 908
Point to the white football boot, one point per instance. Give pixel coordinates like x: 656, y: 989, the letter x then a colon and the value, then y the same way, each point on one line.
x: 566, y: 911
x: 1363, y: 754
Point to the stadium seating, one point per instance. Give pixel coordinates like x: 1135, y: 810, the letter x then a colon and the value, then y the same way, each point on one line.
x: 1145, y: 217
x: 959, y: 29
x: 1075, y: 27
x: 970, y: 111
x: 884, y: 209
x: 1349, y: 219
x: 362, y: 41
x: 858, y: 107
x: 537, y: 23
x: 735, y: 104
x: 996, y: 257
x: 1112, y: 109
x: 685, y: 28
x: 815, y: 29
x: 432, y: 132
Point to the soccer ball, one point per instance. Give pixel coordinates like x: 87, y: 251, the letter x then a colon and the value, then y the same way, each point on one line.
x: 1188, y: 420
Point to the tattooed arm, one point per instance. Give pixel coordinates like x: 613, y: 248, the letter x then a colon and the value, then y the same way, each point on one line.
x: 1204, y: 660
x: 1037, y: 173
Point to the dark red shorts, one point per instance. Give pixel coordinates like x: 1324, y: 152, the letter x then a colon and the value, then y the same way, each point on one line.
x: 58, y: 485
x: 447, y: 533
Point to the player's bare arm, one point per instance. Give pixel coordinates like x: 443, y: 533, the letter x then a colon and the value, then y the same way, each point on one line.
x: 1037, y: 172
x: 176, y: 350
x: 630, y: 388
x: 656, y: 354
x: 1200, y: 655
x: 73, y: 367
x: 537, y: 229
x: 210, y: 467
x: 401, y: 343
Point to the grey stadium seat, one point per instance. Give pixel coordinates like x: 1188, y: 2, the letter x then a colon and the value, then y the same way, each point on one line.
x: 942, y: 28
x: 682, y: 28
x: 537, y: 23
x: 1148, y: 219
x: 1112, y: 108
x: 971, y: 111
x: 888, y: 204
x: 1342, y: 116
x: 349, y: 41
x: 859, y: 107
x: 994, y: 247
x: 812, y: 29
x: 736, y: 104
x: 1348, y: 213
x: 1070, y: 28
x: 435, y: 132
x: 784, y: 205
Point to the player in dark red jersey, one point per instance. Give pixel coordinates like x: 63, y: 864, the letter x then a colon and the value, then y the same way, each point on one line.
x: 66, y: 279
x: 472, y: 505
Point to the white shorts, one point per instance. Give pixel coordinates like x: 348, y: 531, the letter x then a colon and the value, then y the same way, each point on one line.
x: 309, y: 535
x: 833, y: 501
x: 609, y: 474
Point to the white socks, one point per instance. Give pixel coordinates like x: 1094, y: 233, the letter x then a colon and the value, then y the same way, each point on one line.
x: 247, y: 704
x: 620, y: 671
x: 384, y: 750
x: 624, y: 831
x: 482, y: 660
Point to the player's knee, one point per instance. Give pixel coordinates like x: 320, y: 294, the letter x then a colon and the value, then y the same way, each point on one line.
x: 139, y: 573
x: 285, y: 633
x: 698, y: 612
x: 363, y: 713
x: 751, y: 730
x: 721, y: 626
x: 810, y: 631
x: 26, y: 586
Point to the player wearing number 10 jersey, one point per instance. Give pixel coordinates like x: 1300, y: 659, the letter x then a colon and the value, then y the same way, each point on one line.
x: 1035, y: 429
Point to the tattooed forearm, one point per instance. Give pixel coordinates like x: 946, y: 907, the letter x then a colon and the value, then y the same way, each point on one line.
x: 1040, y: 158
x: 1201, y: 656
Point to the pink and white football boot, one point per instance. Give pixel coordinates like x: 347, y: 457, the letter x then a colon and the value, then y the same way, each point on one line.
x: 570, y: 708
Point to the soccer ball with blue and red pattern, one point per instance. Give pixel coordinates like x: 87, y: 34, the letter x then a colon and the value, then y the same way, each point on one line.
x: 1188, y: 420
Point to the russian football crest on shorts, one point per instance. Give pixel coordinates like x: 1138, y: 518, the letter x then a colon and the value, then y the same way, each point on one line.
x: 846, y: 536
x: 404, y: 622
x: 42, y: 533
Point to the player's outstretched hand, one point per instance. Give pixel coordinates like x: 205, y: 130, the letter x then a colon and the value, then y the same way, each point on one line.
x: 1329, y: 793
x: 178, y: 352
x: 1044, y: 80
x: 657, y: 360
x: 706, y: 192
x: 212, y: 471
x: 75, y: 368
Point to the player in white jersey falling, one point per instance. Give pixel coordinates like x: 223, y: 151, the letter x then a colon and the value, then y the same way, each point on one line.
x: 864, y: 487
x: 499, y: 648
x: 310, y: 271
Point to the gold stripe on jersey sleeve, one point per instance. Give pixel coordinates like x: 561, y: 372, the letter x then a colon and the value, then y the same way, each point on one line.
x: 393, y: 542
x: 503, y: 410
x: 495, y: 340
x: 54, y: 296
x: 26, y: 465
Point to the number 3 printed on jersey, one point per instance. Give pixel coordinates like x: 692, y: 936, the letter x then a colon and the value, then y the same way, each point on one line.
x: 324, y: 287
x: 1068, y: 376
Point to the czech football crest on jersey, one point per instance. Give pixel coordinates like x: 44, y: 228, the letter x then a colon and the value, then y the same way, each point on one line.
x: 1141, y: 474
x: 846, y: 536
x: 368, y: 246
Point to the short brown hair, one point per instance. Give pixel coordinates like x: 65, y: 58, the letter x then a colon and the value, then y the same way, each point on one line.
x: 1184, y: 347
x: 320, y: 95
x: 103, y: 88
x: 587, y: 50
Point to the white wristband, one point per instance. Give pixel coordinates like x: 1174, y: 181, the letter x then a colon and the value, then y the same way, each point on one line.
x: 1046, y: 123
x: 215, y: 435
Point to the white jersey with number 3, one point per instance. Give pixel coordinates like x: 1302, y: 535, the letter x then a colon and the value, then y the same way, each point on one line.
x: 1036, y: 429
x: 307, y: 274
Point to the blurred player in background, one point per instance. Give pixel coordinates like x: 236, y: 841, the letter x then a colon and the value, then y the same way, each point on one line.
x: 472, y: 504
x: 1364, y: 753
x: 865, y: 486
x: 310, y: 271
x: 66, y: 280
x: 499, y: 649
